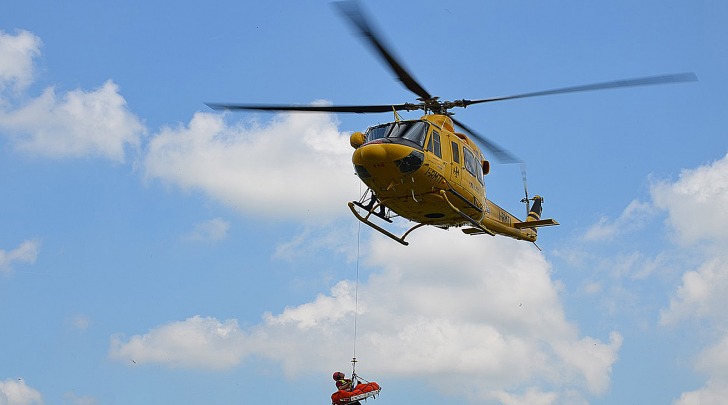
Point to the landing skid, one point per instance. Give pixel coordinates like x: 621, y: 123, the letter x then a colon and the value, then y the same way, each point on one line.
x: 377, y: 208
x: 365, y: 219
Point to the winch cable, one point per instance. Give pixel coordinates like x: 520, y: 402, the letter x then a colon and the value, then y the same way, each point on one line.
x: 356, y: 297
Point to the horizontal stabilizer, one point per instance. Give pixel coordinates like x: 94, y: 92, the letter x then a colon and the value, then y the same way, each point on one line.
x: 535, y: 224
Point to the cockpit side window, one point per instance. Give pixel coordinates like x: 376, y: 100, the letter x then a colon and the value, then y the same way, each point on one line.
x: 434, y: 144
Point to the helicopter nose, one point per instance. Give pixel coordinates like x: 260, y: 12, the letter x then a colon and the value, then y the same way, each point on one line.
x: 374, y: 153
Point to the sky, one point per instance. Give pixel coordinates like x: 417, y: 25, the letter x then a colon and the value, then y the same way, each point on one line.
x: 155, y: 251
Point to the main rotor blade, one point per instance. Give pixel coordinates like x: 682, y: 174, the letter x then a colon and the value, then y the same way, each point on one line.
x: 318, y: 108
x: 354, y: 13
x: 642, y: 81
x: 500, y: 153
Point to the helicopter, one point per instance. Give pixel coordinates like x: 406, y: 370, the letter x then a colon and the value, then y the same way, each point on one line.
x: 424, y: 170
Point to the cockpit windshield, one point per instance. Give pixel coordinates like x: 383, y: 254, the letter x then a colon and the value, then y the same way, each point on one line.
x: 413, y: 131
x: 380, y: 131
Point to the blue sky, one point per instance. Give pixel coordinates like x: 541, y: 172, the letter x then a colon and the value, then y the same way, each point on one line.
x: 155, y: 251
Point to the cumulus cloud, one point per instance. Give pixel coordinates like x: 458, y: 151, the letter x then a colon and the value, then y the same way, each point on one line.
x: 314, y: 238
x: 532, y: 396
x: 27, y: 253
x: 702, y: 294
x: 195, y: 343
x: 713, y: 392
x: 697, y: 203
x: 75, y: 124
x: 16, y: 392
x: 297, y: 166
x: 487, y: 310
x: 697, y: 209
x: 16, y: 59
x: 632, y: 218
x: 80, y: 123
x: 714, y: 362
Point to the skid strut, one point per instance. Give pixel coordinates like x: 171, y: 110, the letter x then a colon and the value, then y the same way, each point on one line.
x: 366, y: 220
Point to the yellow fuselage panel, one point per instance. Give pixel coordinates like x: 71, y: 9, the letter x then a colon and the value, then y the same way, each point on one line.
x: 375, y: 153
x: 442, y: 121
x: 415, y: 195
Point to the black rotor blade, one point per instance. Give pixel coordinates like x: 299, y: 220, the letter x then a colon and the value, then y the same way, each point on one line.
x: 642, y: 81
x: 500, y: 153
x: 318, y: 108
x: 353, y: 12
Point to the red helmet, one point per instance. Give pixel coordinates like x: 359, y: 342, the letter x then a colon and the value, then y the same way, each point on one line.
x: 338, y: 375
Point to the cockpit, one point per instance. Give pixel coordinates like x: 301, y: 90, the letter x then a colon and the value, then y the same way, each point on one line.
x: 407, y: 132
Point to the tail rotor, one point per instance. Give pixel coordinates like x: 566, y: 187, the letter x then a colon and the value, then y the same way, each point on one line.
x: 525, y: 200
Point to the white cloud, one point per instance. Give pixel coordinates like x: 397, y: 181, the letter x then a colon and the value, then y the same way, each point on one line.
x: 632, y: 218
x: 337, y: 236
x: 532, y: 396
x: 714, y: 362
x: 212, y: 230
x: 697, y: 208
x: 16, y: 392
x: 712, y: 393
x: 194, y: 343
x: 27, y: 253
x: 697, y: 204
x: 703, y: 294
x: 75, y: 124
x: 297, y: 166
x: 483, y: 309
x: 81, y: 123
x: 16, y: 59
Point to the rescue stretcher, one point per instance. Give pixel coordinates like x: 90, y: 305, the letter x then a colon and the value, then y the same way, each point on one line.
x: 362, y: 391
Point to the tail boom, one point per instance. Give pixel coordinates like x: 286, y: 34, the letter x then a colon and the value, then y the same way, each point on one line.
x: 499, y: 221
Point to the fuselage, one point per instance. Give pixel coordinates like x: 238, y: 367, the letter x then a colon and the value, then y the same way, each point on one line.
x: 410, y: 164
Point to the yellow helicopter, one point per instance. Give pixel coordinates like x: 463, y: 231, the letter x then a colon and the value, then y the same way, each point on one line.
x: 423, y: 170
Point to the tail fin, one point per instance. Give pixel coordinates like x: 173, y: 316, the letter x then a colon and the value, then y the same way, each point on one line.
x: 535, y: 213
x: 534, y: 216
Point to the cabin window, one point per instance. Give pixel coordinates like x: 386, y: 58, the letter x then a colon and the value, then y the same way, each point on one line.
x: 471, y: 164
x: 481, y: 169
x: 455, y: 152
x: 434, y: 144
